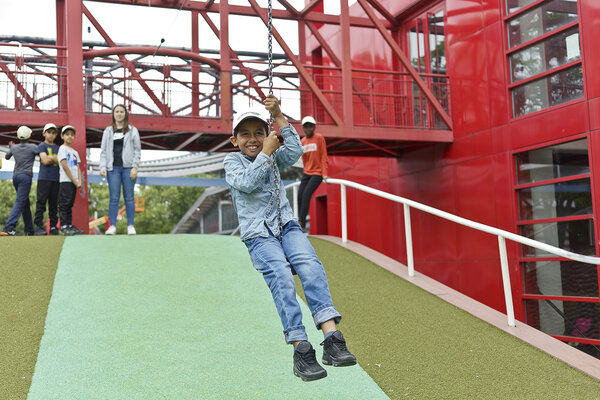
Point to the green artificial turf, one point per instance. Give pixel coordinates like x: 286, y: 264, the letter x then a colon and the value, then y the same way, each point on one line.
x: 172, y: 317
x: 415, y: 345
x: 27, y: 268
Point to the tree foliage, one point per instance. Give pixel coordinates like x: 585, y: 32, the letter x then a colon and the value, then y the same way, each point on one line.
x: 164, y: 206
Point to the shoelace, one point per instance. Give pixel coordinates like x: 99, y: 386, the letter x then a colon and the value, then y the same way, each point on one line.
x: 309, y: 356
x: 340, y: 344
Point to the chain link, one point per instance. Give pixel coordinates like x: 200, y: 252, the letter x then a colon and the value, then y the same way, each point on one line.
x: 277, y: 180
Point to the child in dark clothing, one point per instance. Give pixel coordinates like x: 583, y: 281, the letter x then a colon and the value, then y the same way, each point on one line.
x: 24, y: 154
x: 47, y: 186
x: 276, y: 242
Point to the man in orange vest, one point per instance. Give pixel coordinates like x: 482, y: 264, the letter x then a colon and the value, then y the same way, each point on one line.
x: 315, y: 166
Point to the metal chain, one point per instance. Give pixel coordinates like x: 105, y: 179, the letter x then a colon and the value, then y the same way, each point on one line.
x: 276, y: 174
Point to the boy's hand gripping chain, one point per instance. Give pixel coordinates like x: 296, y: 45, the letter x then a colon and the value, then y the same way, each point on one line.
x: 275, y: 167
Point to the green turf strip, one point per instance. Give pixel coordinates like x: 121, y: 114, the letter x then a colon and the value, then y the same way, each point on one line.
x: 27, y: 268
x: 171, y: 317
x: 417, y: 346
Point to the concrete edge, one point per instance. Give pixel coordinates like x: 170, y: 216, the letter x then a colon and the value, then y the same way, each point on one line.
x: 546, y: 343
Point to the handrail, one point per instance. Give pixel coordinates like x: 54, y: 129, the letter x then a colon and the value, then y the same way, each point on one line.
x: 501, y: 234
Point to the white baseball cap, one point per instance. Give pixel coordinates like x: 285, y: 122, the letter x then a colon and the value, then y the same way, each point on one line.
x: 50, y: 125
x: 241, y: 117
x: 66, y: 128
x: 24, y: 132
x: 308, y: 120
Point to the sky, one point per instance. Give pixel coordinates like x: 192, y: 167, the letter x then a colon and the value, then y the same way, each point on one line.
x: 143, y: 25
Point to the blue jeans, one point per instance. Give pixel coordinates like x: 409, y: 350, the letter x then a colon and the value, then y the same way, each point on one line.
x: 22, y: 206
x: 117, y: 177
x: 269, y: 258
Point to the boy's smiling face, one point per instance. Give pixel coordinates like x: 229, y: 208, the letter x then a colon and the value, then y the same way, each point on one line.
x: 250, y: 136
x: 68, y: 137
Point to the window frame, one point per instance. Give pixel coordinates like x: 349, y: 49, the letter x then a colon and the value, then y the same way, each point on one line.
x: 520, y: 259
x: 544, y: 75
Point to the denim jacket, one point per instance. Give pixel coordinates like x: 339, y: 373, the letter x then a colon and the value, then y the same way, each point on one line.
x: 132, y: 149
x: 252, y: 185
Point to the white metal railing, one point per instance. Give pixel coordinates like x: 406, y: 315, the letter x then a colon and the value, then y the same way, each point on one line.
x: 501, y: 234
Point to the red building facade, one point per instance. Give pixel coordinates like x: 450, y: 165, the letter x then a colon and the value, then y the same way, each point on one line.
x: 525, y: 105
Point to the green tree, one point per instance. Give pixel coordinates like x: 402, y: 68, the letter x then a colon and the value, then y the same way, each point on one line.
x: 163, y: 206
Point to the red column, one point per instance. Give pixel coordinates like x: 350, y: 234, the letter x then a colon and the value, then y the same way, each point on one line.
x: 305, y: 106
x: 195, y: 66
x: 61, y: 55
x: 225, y: 64
x: 346, y: 69
x: 76, y: 103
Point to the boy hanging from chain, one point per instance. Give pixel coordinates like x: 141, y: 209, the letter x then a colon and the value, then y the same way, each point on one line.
x: 274, y: 239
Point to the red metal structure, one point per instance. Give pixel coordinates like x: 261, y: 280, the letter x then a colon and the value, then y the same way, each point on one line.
x: 485, y: 109
x: 186, y: 102
x: 524, y: 101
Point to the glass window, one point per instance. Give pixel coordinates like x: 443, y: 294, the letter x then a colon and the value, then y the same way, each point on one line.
x: 566, y: 318
x: 514, y: 5
x: 576, y: 236
x: 417, y: 46
x: 541, y: 20
x: 564, y: 199
x: 437, y: 53
x: 560, y: 278
x: 558, y: 161
x: 552, y: 90
x: 211, y: 219
x: 228, y: 216
x: 543, y: 56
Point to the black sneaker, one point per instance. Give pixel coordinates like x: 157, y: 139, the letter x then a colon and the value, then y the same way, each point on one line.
x: 75, y: 230
x: 305, y: 363
x: 8, y: 233
x: 39, y: 231
x: 54, y: 231
x: 335, y: 351
x: 66, y: 231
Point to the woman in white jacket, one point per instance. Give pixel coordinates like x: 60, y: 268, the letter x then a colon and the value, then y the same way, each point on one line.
x: 119, y: 161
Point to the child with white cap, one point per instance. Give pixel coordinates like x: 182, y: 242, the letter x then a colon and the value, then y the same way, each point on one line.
x: 275, y: 241
x: 70, y: 181
x: 47, y: 185
x: 24, y: 154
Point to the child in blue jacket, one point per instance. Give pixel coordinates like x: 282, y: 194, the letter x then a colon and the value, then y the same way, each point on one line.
x: 276, y: 242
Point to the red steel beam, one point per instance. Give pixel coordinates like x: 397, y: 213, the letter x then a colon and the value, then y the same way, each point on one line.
x: 61, y: 54
x: 226, y: 101
x: 125, y: 62
x: 301, y: 70
x: 325, y: 45
x: 347, y: 90
x: 76, y: 103
x: 195, y: 67
x: 289, y: 7
x: 378, y: 147
x: 235, y: 58
x: 404, y: 60
x: 316, y: 17
x: 383, y: 11
x: 18, y: 86
x: 149, y: 50
x: 311, y: 6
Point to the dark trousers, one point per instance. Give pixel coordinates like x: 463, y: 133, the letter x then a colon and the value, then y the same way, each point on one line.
x: 308, y: 185
x: 66, y: 199
x: 47, y: 192
x: 22, y: 206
